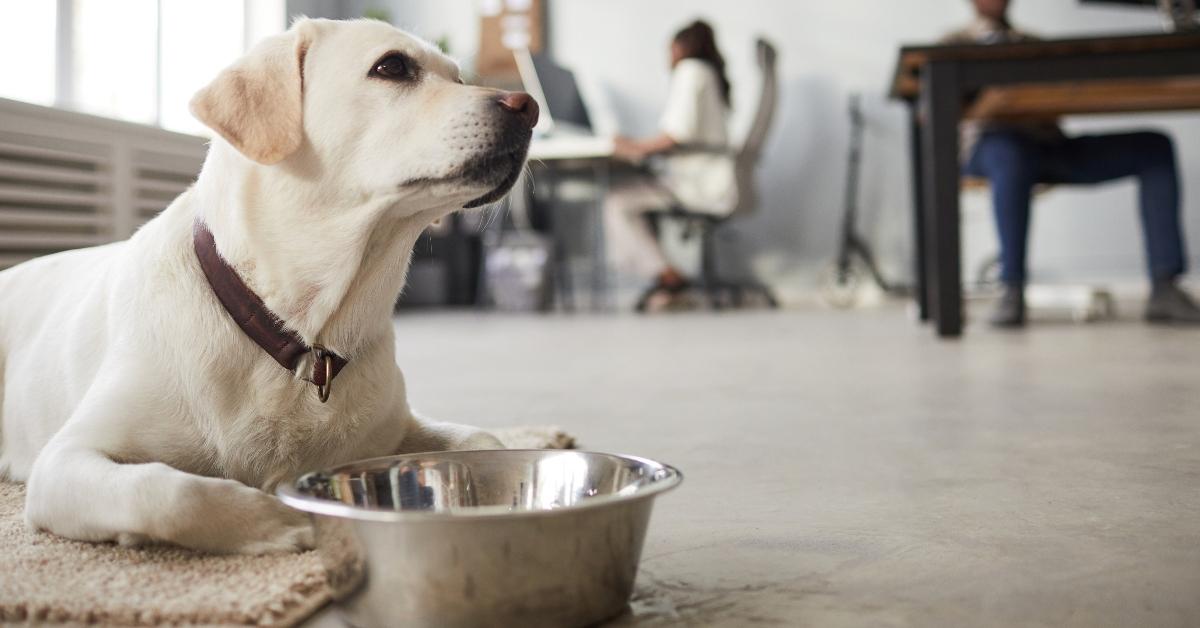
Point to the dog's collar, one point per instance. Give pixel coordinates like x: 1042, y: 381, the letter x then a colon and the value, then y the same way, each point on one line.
x: 259, y: 322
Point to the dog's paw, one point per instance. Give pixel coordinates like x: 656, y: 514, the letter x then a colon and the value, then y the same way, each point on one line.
x: 479, y: 440
x: 289, y: 539
x: 441, y: 436
x: 274, y: 528
x: 228, y: 517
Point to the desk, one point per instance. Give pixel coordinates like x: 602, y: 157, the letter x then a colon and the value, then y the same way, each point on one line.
x: 578, y: 153
x: 571, y: 147
x: 946, y: 84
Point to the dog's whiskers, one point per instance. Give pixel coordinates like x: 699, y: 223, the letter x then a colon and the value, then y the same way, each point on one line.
x: 491, y: 212
x: 527, y: 176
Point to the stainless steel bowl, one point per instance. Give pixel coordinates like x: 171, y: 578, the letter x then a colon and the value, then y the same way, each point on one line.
x: 482, y: 538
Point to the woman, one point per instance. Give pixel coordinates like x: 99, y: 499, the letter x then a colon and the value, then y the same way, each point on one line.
x: 697, y: 170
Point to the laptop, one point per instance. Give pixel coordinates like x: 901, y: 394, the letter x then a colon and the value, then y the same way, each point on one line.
x: 566, y: 127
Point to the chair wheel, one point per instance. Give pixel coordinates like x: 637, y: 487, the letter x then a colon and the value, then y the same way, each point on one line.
x: 840, y: 287
x: 643, y: 301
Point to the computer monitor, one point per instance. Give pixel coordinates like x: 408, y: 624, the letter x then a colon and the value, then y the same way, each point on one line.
x: 556, y: 91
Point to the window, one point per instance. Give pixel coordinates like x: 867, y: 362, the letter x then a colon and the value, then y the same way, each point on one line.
x: 137, y: 60
x: 27, y: 34
x: 198, y: 39
x: 113, y: 59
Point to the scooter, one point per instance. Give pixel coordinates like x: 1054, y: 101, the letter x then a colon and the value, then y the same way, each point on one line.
x: 842, y: 280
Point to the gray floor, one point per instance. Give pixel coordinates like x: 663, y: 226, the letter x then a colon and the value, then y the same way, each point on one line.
x: 851, y: 470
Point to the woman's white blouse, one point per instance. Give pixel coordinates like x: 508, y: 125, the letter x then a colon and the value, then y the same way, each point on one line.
x: 701, y: 174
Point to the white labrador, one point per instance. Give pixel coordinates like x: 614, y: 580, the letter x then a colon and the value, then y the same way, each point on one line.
x: 131, y: 402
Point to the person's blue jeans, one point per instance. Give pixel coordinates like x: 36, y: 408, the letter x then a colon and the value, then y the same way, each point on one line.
x: 1013, y: 163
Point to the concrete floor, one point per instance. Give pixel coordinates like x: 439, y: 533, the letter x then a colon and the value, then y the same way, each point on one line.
x: 851, y: 470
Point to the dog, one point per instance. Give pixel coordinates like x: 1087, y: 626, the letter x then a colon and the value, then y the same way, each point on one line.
x: 141, y: 397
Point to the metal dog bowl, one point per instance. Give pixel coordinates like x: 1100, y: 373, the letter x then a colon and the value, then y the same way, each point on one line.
x: 482, y: 538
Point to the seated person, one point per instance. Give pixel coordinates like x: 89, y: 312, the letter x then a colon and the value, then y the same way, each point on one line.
x: 698, y: 170
x: 1013, y: 157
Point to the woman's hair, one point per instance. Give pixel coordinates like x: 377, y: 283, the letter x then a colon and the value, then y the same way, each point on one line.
x: 699, y: 42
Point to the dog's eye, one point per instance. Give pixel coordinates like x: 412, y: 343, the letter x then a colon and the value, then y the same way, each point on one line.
x: 393, y: 66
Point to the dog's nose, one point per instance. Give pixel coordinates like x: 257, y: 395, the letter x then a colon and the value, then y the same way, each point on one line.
x: 521, y: 104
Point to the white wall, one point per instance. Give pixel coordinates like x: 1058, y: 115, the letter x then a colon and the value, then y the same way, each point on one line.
x: 455, y: 20
x: 828, y: 48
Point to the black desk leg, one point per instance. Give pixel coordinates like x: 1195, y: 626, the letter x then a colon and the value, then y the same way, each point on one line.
x: 561, y: 262
x: 941, y: 105
x: 600, y: 295
x: 920, y: 286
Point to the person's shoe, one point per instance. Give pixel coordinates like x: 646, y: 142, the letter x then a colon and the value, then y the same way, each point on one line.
x: 1169, y: 304
x: 1010, y: 309
x: 672, y: 281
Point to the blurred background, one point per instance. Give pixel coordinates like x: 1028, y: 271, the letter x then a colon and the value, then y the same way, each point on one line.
x: 140, y: 61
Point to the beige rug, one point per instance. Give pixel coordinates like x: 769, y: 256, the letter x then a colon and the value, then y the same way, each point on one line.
x: 47, y: 579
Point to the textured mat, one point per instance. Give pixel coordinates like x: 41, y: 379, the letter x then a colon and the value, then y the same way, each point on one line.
x: 47, y: 579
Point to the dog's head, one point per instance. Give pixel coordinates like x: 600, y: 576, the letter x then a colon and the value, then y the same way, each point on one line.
x: 379, y: 111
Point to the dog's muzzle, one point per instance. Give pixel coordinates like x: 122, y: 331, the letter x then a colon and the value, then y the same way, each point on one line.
x: 499, y: 165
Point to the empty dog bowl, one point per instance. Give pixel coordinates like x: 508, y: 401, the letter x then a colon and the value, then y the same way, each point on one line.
x: 482, y: 538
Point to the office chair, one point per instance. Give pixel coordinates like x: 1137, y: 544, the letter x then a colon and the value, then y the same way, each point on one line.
x: 716, y: 290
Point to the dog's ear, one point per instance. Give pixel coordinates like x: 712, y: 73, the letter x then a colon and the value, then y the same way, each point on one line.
x: 257, y: 103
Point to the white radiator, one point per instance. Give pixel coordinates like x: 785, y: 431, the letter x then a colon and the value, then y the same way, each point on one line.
x: 69, y: 180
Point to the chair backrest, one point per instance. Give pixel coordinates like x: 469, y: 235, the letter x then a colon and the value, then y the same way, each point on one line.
x: 752, y: 147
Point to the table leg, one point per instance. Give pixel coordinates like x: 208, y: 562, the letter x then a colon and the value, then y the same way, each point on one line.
x: 563, y: 282
x: 920, y: 285
x: 600, y: 301
x: 941, y: 105
x: 564, y: 288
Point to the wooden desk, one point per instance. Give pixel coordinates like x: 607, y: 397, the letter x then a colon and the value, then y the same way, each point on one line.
x: 946, y: 84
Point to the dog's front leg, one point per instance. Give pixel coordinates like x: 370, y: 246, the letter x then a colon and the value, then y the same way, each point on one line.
x: 82, y: 494
x: 427, y: 435
x: 76, y: 489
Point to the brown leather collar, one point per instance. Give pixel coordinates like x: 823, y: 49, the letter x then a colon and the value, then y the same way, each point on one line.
x: 259, y: 322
